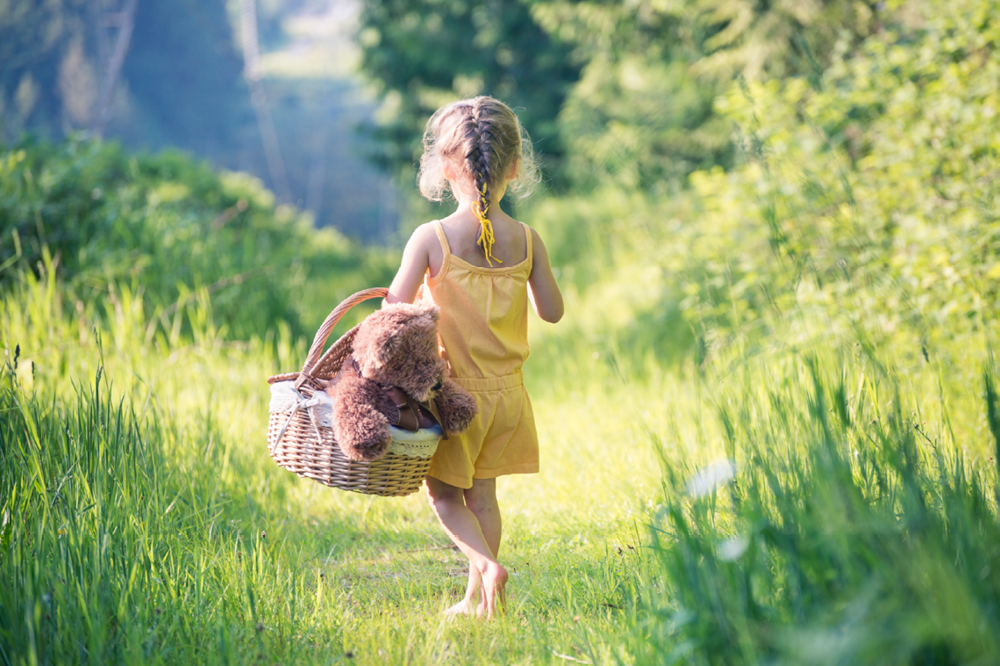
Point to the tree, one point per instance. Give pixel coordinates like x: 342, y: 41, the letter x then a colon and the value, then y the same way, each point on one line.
x: 642, y: 113
x: 44, y: 70
x: 424, y: 53
x: 180, y: 81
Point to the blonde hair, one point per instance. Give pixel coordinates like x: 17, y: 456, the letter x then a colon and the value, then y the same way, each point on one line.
x: 481, y: 139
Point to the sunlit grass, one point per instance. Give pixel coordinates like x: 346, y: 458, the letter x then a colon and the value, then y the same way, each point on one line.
x: 180, y: 539
x: 145, y: 522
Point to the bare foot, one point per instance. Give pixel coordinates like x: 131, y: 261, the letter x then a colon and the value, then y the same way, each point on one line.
x: 494, y: 586
x: 464, y: 607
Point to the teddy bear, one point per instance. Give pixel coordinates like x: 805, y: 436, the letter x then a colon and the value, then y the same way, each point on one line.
x: 393, y: 366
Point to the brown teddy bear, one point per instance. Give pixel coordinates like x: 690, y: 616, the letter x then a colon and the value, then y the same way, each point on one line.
x: 395, y: 357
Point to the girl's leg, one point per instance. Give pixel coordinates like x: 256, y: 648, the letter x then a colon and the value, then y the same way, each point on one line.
x: 462, y: 523
x: 481, y: 499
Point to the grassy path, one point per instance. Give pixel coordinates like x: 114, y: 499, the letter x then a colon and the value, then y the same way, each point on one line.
x: 145, y: 522
x: 142, y: 520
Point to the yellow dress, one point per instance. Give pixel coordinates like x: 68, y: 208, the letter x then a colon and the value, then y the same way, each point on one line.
x: 483, y: 331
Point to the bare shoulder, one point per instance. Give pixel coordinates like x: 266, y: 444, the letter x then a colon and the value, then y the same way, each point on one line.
x: 538, y: 250
x: 423, y: 236
x: 425, y: 240
x: 425, y: 244
x: 422, y: 253
x: 535, y: 237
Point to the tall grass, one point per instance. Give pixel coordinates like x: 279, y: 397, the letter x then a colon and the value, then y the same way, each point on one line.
x: 852, y: 532
x: 145, y: 523
x: 828, y: 444
x: 754, y: 450
x: 174, y: 231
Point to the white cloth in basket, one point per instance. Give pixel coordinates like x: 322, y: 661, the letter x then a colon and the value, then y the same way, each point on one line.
x: 420, y: 444
x: 285, y: 400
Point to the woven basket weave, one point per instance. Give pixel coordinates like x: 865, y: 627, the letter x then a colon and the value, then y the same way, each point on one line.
x: 300, y: 444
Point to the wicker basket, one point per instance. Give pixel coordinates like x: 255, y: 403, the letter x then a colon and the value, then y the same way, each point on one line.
x: 301, y: 440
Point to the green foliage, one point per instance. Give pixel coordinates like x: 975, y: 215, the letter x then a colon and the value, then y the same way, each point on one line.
x: 638, y: 113
x: 875, y: 188
x: 423, y: 54
x: 637, y: 117
x: 851, y: 533
x: 174, y: 230
x: 868, y: 204
x: 756, y: 39
x: 142, y: 520
x: 858, y: 224
x: 642, y: 113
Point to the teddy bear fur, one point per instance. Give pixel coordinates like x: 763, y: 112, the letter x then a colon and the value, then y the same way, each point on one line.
x: 395, y: 346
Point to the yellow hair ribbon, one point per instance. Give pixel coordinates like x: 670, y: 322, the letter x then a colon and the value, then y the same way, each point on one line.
x: 486, y: 233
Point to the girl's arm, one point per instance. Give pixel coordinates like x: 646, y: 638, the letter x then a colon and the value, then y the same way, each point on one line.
x: 412, y: 268
x: 542, y: 288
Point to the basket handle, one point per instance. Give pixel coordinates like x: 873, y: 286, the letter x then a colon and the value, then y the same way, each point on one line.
x: 331, y: 321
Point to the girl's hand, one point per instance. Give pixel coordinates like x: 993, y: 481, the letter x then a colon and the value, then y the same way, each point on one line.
x: 416, y: 259
x: 542, y: 287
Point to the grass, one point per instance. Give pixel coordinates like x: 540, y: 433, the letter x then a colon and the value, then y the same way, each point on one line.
x: 796, y: 490
x: 769, y: 421
x: 143, y: 521
x: 855, y: 531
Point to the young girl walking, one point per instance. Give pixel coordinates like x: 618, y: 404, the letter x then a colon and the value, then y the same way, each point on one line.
x: 481, y: 267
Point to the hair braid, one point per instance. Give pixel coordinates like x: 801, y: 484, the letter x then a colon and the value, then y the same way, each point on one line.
x: 480, y: 136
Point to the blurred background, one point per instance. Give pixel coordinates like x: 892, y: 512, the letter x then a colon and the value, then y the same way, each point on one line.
x: 709, y: 165
x: 270, y: 88
x: 325, y: 100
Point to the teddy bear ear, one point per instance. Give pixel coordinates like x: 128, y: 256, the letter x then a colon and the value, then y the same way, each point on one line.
x: 386, y: 345
x: 375, y: 344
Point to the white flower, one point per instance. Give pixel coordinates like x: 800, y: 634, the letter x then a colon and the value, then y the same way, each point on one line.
x: 711, y: 477
x: 732, y: 548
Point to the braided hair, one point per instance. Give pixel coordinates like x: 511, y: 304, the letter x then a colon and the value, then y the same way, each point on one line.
x: 482, y: 140
x: 480, y: 135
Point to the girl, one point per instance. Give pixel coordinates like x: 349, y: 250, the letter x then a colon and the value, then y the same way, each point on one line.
x: 481, y: 267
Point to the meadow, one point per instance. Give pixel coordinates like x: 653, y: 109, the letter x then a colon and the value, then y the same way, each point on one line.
x: 829, y: 504
x: 769, y: 420
x: 145, y: 522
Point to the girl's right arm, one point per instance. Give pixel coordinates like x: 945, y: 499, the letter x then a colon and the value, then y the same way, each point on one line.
x: 416, y: 259
x: 542, y: 287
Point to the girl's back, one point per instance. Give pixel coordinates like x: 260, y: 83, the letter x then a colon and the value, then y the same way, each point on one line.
x: 474, y: 150
x: 484, y: 311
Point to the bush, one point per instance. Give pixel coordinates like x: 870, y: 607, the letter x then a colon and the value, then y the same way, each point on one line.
x: 865, y: 201
x: 174, y: 228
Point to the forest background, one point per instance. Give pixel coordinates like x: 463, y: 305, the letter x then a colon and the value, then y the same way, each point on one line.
x: 770, y: 417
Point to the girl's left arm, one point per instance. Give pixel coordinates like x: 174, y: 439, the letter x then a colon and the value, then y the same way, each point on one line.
x: 412, y: 268
x: 542, y: 287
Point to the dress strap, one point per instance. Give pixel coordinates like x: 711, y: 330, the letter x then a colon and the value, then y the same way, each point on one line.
x: 527, y: 238
x: 439, y: 230
x: 445, y: 249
